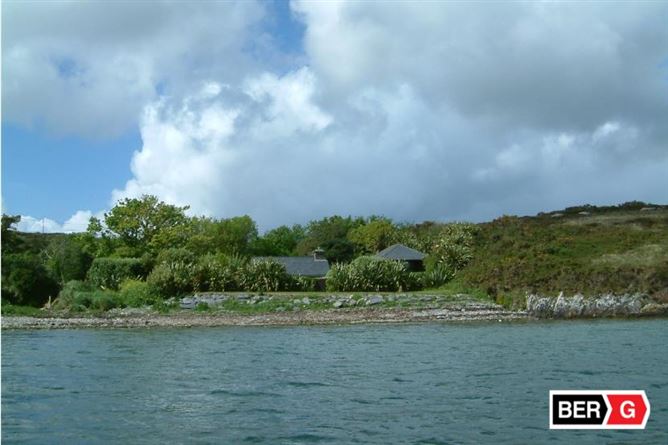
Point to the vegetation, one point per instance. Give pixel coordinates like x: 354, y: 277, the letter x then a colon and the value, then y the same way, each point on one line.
x: 370, y: 274
x: 143, y: 252
x: 590, y: 250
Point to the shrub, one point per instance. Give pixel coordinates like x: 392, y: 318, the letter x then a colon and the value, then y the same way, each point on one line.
x: 370, y: 274
x: 306, y: 284
x: 104, y: 300
x: 217, y: 273
x: 436, y: 276
x: 171, y: 279
x: 452, y: 248
x: 109, y: 273
x: 176, y: 255
x: 264, y: 276
x: 78, y: 296
x: 25, y: 280
x: 134, y: 293
x: 67, y: 296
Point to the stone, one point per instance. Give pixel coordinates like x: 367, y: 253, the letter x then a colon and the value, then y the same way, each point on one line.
x: 373, y: 300
x: 306, y: 301
x: 337, y: 304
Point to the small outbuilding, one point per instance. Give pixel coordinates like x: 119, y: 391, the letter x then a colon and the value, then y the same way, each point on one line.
x: 414, y: 259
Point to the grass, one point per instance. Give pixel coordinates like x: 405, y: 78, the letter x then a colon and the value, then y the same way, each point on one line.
x: 25, y: 311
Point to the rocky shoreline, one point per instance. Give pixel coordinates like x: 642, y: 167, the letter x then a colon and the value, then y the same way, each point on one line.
x: 340, y: 310
x: 187, y: 319
x: 579, y: 306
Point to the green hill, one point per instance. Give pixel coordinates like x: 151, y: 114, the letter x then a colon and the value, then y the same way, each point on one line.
x: 586, y: 249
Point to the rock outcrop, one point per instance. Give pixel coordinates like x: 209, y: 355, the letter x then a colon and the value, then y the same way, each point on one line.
x: 579, y: 306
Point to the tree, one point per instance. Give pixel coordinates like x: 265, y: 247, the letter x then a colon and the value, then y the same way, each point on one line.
x: 374, y: 236
x: 280, y: 241
x: 143, y: 225
x: 11, y: 241
x: 25, y: 280
x: 330, y: 234
x: 233, y: 236
x: 66, y: 259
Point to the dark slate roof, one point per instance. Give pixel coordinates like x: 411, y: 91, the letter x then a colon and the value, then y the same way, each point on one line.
x: 401, y: 252
x: 305, y: 266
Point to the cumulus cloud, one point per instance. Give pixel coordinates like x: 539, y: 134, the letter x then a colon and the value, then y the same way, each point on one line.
x: 89, y: 68
x: 76, y: 223
x: 415, y: 111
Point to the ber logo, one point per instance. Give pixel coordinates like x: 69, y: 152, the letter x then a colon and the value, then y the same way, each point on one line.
x: 598, y: 410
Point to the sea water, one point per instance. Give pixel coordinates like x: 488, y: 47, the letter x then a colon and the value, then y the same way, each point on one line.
x: 430, y: 383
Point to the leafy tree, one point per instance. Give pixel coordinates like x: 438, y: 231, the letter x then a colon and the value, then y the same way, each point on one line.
x: 25, y: 280
x: 66, y: 259
x: 280, y: 241
x: 144, y: 224
x: 331, y: 235
x: 233, y: 236
x: 374, y: 236
x: 11, y: 241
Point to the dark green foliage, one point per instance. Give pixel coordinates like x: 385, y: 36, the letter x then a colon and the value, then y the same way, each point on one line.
x: 11, y: 240
x: 370, y: 274
x: 330, y: 234
x: 265, y: 276
x: 281, y: 241
x: 109, y: 273
x: 25, y: 280
x: 66, y: 259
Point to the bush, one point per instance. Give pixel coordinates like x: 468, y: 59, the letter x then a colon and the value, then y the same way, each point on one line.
x: 265, y: 276
x: 436, y: 276
x: 452, y: 248
x: 370, y: 274
x: 134, y: 293
x: 104, y: 300
x: 218, y: 273
x: 78, y: 296
x: 306, y: 284
x: 176, y: 255
x: 71, y: 289
x: 25, y: 280
x: 171, y: 279
x: 109, y: 273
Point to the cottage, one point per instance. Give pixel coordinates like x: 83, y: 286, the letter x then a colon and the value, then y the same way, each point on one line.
x: 314, y: 266
x: 413, y: 258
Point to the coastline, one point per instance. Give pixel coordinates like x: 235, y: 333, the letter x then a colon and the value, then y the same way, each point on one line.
x: 188, y: 319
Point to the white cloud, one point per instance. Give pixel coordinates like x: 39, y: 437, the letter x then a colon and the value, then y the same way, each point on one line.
x: 422, y: 110
x: 76, y: 223
x: 89, y: 68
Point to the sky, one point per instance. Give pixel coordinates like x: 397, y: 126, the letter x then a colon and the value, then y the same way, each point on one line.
x: 292, y: 111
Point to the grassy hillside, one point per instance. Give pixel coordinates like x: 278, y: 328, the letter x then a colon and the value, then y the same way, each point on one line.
x: 580, y: 249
